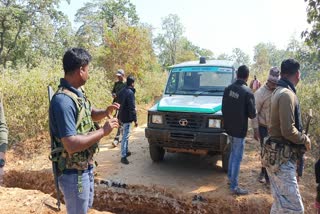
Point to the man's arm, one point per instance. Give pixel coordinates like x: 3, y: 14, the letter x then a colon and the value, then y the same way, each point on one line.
x: 258, y: 104
x: 251, y: 108
x: 99, y: 114
x: 255, y: 122
x: 132, y: 107
x: 78, y: 143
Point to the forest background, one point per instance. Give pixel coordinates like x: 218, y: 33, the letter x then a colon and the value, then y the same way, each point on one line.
x: 34, y: 34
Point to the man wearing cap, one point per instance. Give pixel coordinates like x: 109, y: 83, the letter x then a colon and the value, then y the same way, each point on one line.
x: 120, y: 84
x: 261, y: 122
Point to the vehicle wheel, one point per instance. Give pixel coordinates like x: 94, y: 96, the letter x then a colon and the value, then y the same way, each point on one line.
x: 225, y: 158
x: 156, y: 153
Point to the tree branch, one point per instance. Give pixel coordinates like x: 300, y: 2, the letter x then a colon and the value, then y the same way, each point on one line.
x: 13, y: 44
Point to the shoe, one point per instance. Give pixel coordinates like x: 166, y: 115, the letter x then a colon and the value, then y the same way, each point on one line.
x: 262, y: 179
x: 124, y: 161
x: 239, y: 191
x: 128, y: 154
x: 115, y: 143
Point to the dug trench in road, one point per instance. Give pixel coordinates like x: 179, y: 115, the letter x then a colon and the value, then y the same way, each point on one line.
x: 136, y: 198
x: 180, y: 184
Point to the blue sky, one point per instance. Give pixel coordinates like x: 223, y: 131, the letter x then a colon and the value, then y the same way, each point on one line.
x: 221, y: 25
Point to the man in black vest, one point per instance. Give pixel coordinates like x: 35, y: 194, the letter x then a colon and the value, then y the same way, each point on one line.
x: 237, y: 106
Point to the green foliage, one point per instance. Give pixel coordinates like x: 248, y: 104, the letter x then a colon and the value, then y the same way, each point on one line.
x: 306, y: 55
x: 25, y: 98
x: 99, y: 17
x: 98, y: 88
x: 309, y: 95
x: 312, y: 37
x: 112, y: 10
x: 129, y: 48
x: 173, y: 48
x: 26, y: 101
x: 187, y: 51
x: 240, y: 57
x: 168, y: 41
x: 30, y: 30
x: 150, y: 87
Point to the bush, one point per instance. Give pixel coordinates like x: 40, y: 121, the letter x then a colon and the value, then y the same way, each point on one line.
x: 26, y: 101
x: 150, y: 86
x: 309, y: 95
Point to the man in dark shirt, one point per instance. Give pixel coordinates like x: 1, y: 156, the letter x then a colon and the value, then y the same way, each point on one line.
x: 120, y: 84
x: 127, y: 115
x: 117, y: 87
x: 237, y: 106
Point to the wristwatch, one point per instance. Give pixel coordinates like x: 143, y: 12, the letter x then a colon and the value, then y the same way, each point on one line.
x: 2, y: 163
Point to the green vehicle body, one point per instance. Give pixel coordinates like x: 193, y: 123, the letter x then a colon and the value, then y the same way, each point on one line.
x: 188, y: 117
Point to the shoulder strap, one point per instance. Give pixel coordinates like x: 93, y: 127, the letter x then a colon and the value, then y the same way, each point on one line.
x: 77, y: 100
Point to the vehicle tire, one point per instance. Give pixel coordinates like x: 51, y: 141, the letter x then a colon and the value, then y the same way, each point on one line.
x: 225, y: 158
x: 156, y: 153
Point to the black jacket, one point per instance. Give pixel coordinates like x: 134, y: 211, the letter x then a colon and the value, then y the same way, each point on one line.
x: 117, y: 87
x: 127, y: 111
x: 237, y: 105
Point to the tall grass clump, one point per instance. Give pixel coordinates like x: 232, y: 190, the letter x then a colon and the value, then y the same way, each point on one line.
x: 150, y: 86
x: 25, y: 98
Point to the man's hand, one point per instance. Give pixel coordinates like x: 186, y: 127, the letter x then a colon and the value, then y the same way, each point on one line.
x: 307, y: 143
x: 110, y: 109
x: 135, y: 124
x: 256, y: 134
x: 110, y: 125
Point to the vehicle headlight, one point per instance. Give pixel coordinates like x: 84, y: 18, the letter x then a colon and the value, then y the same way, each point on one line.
x: 157, y: 119
x: 214, y: 123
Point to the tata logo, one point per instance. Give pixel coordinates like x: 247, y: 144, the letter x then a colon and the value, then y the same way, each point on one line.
x: 183, y: 122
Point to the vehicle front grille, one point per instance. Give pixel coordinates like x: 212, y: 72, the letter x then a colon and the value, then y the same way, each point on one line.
x: 173, y: 120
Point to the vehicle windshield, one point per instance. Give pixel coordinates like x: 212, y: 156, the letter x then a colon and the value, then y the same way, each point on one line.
x: 199, y: 80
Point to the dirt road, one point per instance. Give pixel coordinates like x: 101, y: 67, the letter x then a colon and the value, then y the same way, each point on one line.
x: 184, y: 173
x: 182, y: 183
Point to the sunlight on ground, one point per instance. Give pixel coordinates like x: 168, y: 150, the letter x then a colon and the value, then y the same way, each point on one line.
x: 204, y: 189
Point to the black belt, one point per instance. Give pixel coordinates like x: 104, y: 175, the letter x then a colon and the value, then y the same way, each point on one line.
x: 76, y: 171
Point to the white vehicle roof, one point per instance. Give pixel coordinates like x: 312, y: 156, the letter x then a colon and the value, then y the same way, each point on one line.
x: 220, y: 63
